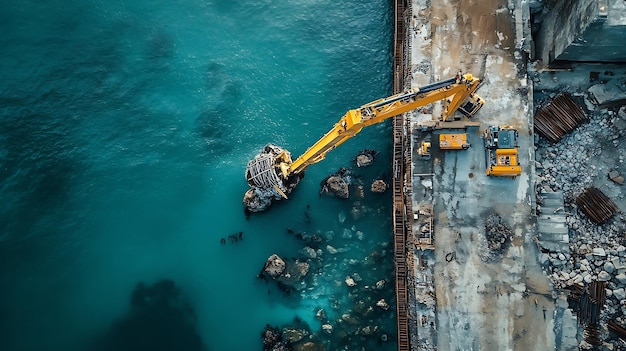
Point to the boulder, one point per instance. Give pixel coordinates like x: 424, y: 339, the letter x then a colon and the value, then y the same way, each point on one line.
x: 619, y: 294
x: 609, y: 267
x: 379, y: 186
x: 603, y: 276
x: 335, y: 185
x: 274, y: 266
x: 365, y: 157
x: 327, y: 328
x: 598, y: 251
x: 364, y: 160
x: 621, y: 278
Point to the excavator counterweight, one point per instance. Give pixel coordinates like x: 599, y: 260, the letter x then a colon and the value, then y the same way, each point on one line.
x: 272, y: 174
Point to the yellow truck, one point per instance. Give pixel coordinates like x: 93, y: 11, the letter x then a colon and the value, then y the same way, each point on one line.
x: 453, y: 142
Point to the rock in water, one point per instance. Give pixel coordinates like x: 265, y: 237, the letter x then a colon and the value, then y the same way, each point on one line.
x: 365, y: 158
x: 274, y: 266
x: 255, y: 201
x: 335, y: 185
x: 379, y: 186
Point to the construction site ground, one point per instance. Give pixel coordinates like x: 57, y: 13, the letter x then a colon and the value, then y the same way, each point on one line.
x: 483, y: 301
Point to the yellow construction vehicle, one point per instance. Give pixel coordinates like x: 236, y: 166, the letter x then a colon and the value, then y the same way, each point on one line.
x: 453, y: 142
x: 273, y: 174
x: 501, y: 151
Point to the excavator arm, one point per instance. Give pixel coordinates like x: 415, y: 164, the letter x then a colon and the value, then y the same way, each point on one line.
x: 454, y: 91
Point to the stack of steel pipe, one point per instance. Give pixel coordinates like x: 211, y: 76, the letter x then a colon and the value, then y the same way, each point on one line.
x: 559, y: 117
x: 617, y: 329
x: 596, y: 205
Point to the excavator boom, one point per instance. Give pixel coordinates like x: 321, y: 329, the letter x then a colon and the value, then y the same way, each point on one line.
x: 454, y: 91
x: 272, y: 174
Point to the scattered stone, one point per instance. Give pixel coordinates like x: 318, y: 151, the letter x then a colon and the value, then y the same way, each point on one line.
x: 369, y: 330
x: 379, y: 186
x: 380, y: 284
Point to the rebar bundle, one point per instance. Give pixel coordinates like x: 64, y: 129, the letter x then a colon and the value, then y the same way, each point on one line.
x: 596, y: 205
x: 559, y: 117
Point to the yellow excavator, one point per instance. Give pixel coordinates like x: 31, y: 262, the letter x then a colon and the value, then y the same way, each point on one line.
x: 272, y: 174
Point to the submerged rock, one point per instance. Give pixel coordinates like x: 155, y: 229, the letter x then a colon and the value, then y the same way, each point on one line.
x: 382, y: 304
x: 309, y: 346
x: 327, y: 328
x: 350, y: 281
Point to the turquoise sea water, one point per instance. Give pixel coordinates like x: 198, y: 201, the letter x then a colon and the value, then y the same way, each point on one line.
x: 125, y: 128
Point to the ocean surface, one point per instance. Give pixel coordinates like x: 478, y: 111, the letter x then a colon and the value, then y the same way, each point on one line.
x: 125, y: 129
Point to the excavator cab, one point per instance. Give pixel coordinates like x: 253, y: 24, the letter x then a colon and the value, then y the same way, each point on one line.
x: 473, y: 104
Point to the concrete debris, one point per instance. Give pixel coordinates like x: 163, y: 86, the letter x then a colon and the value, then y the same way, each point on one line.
x: 607, y: 95
x: 498, y: 236
x: 616, y: 176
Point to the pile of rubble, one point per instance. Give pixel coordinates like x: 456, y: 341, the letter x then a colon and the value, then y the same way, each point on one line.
x: 588, y: 157
x: 498, y: 235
